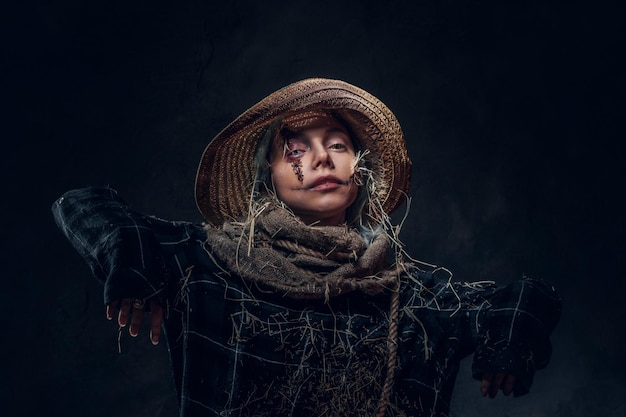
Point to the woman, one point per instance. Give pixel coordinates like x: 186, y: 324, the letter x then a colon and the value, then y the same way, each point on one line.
x: 296, y: 297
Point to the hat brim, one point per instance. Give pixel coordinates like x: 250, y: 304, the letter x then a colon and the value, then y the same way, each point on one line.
x: 225, y: 176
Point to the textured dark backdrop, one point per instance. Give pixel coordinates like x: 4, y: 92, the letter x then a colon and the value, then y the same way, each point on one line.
x: 513, y: 114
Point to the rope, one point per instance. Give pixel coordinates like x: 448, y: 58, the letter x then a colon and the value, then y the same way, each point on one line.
x: 392, y: 350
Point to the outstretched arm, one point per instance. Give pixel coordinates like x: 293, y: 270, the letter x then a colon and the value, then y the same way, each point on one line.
x: 121, y: 249
x: 513, y: 339
x: 506, y: 327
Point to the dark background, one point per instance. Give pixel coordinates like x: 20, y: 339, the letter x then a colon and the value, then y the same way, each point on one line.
x: 513, y: 114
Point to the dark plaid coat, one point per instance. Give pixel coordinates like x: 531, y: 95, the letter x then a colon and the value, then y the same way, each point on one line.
x: 237, y: 350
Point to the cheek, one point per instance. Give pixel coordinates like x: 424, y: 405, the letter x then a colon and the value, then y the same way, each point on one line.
x: 354, y: 192
x: 283, y: 177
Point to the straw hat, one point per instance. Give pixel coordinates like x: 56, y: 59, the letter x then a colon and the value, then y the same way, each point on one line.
x: 225, y: 177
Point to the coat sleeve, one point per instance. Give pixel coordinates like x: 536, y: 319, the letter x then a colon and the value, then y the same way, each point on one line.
x: 514, y: 331
x: 117, y: 243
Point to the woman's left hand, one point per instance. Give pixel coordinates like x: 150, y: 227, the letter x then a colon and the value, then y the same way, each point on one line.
x: 492, y: 382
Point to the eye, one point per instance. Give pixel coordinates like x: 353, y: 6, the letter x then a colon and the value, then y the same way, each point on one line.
x: 294, y: 149
x: 337, y: 140
x: 337, y: 146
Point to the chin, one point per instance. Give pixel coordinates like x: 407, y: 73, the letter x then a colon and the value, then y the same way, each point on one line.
x: 327, y: 214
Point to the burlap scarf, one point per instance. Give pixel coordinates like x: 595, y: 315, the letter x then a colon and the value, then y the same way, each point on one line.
x: 286, y: 256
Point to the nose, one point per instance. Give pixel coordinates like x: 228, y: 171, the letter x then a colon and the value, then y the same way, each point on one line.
x: 321, y: 157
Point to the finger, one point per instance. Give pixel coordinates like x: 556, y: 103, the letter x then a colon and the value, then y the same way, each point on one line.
x: 486, y: 383
x: 156, y: 318
x: 122, y: 318
x: 111, y: 309
x: 495, y: 385
x: 135, y: 321
x: 509, y: 383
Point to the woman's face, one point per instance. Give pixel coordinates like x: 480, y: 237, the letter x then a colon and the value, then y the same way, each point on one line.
x: 313, y: 173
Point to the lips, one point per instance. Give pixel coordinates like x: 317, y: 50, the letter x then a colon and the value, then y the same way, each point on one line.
x: 326, y: 183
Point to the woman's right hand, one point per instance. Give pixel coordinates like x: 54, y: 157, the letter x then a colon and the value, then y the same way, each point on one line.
x: 134, y: 309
